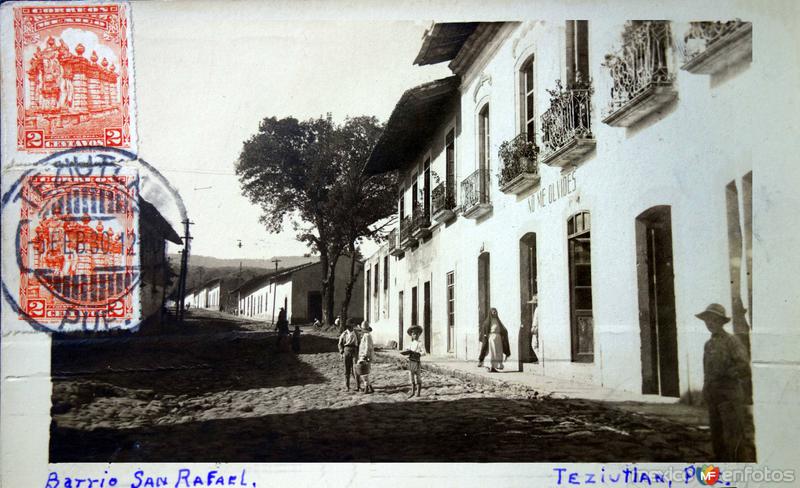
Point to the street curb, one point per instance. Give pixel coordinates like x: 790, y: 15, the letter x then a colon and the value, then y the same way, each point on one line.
x: 443, y: 370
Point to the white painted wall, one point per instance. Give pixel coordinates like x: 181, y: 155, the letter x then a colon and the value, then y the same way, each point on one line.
x: 294, y: 290
x: 259, y: 303
x: 207, y: 298
x: 683, y: 159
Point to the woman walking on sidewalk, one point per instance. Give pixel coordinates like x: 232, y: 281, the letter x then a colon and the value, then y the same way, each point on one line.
x: 495, y: 335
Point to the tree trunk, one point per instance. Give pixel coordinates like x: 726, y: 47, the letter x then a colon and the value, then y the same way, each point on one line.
x: 354, y: 272
x: 327, y: 297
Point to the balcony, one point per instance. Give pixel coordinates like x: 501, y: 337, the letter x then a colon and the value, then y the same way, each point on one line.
x: 519, y: 171
x: 475, y: 194
x: 443, y: 203
x: 420, y: 223
x: 407, y: 240
x: 713, y: 46
x: 567, y: 126
x: 392, y: 242
x: 642, y: 83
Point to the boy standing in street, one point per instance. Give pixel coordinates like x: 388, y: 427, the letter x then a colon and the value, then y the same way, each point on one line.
x: 348, y: 348
x: 415, y: 350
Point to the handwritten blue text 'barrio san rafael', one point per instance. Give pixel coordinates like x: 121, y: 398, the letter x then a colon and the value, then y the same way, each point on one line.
x: 184, y: 478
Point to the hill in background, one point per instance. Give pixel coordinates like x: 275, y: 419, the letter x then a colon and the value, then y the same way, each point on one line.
x: 265, y: 264
x: 205, y: 268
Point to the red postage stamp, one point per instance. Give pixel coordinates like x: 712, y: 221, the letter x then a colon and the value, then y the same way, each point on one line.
x: 77, y: 249
x: 72, y: 76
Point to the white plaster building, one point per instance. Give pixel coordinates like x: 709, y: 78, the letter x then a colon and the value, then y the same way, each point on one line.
x: 298, y: 289
x: 190, y: 300
x: 636, y: 214
x: 206, y: 296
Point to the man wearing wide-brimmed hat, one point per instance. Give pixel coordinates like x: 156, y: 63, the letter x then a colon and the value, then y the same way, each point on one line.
x: 725, y: 366
x: 348, y: 349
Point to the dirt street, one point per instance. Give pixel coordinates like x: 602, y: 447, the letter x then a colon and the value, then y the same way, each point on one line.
x: 219, y: 391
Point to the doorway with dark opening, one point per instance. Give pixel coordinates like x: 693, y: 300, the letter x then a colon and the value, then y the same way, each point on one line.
x: 528, y: 289
x: 314, y: 305
x: 658, y: 330
x: 400, y: 333
x: 426, y: 315
x: 484, y: 295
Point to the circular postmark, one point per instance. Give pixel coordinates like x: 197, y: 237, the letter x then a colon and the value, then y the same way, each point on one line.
x: 83, y: 250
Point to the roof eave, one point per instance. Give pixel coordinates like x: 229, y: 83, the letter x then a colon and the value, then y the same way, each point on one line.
x: 415, y: 105
x: 442, y: 41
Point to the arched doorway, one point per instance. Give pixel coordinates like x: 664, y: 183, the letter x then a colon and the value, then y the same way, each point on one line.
x: 658, y: 330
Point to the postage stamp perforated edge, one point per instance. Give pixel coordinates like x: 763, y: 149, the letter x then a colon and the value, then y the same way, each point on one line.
x: 9, y: 90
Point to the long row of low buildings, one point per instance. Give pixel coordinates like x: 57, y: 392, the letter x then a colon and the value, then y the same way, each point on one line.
x: 601, y: 167
x: 297, y: 289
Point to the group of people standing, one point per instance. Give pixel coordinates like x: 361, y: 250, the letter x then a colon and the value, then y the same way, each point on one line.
x: 726, y: 367
x: 357, y: 351
x: 726, y: 370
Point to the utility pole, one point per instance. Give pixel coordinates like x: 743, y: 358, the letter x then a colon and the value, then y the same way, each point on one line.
x: 275, y: 294
x: 187, y: 240
x: 239, y: 284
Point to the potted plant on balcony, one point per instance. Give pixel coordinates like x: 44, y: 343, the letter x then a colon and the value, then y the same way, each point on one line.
x: 443, y: 200
x: 519, y: 162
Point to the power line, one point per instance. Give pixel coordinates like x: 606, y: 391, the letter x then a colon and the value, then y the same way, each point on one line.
x: 197, y: 171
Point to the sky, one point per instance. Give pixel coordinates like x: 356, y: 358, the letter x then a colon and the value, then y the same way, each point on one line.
x: 206, y: 74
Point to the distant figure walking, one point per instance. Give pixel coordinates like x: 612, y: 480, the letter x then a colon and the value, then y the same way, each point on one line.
x: 415, y: 350
x: 296, y: 339
x: 282, y: 326
x: 317, y: 323
x: 366, y: 354
x: 494, y: 337
x: 338, y: 322
x: 725, y: 367
x: 348, y: 345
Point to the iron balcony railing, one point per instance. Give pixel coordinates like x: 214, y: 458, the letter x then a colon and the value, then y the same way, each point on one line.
x: 420, y: 218
x: 569, y: 117
x: 703, y: 35
x: 641, y: 63
x: 518, y: 156
x: 405, y: 228
x: 443, y: 198
x: 475, y: 189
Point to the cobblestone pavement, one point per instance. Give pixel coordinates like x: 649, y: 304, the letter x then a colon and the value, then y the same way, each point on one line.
x: 232, y: 397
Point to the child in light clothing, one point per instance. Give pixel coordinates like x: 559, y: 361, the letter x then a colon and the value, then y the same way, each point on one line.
x: 366, y: 353
x: 414, y: 351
